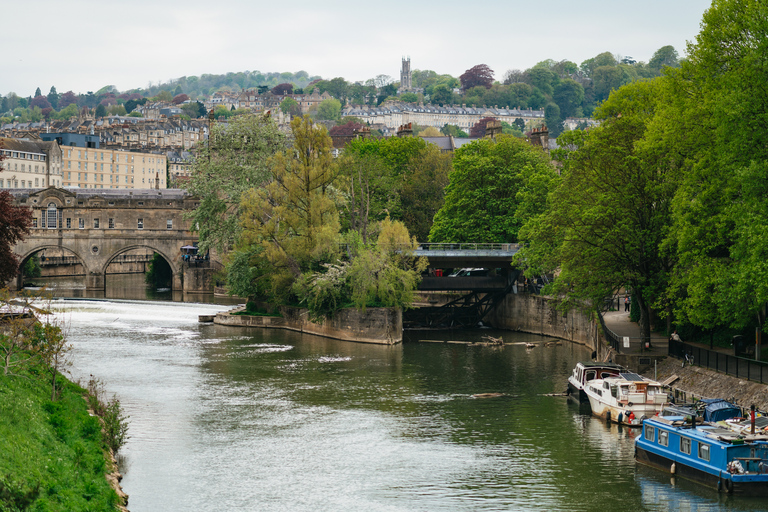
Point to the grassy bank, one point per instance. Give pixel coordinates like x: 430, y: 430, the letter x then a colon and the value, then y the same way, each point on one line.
x: 52, y: 456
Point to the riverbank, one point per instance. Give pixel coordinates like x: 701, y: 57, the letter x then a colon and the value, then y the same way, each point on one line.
x: 53, y: 456
x: 703, y: 382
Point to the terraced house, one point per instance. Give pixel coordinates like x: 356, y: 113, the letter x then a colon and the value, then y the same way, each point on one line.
x: 30, y: 164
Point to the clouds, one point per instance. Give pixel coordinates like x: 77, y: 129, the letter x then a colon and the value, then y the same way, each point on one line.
x: 83, y: 45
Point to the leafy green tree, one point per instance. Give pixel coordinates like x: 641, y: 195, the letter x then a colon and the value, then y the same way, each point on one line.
x: 442, y: 95
x: 453, y: 130
x: 409, y: 97
x: 666, y: 56
x: 482, y: 198
x: 606, y: 220
x: 294, y: 216
x: 101, y: 110
x: 569, y: 95
x: 290, y: 106
x: 165, y: 96
x: 720, y: 216
x: 234, y: 160
x: 422, y: 191
x: 329, y: 110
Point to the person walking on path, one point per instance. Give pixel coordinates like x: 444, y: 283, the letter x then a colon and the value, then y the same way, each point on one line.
x: 627, y: 301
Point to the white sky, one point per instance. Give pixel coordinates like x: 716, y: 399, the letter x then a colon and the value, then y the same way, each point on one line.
x: 83, y: 45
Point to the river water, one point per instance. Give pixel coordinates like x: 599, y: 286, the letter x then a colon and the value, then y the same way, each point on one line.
x: 232, y: 419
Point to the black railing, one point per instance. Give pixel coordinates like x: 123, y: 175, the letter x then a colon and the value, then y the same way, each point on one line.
x: 613, y: 339
x: 467, y: 247
x: 741, y: 367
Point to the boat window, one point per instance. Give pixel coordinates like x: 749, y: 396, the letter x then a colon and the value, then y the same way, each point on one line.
x: 650, y: 433
x: 605, y: 385
x: 663, y: 437
x: 614, y: 391
x: 591, y: 375
x: 703, y: 451
x: 685, y: 445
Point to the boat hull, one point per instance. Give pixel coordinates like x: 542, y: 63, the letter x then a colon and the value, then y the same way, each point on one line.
x: 723, y: 482
x: 619, y: 414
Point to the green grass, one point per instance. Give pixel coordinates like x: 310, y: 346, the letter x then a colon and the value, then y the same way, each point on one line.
x: 52, y: 455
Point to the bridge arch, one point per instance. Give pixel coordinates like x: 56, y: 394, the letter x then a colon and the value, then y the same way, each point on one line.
x: 172, y: 262
x: 40, y: 248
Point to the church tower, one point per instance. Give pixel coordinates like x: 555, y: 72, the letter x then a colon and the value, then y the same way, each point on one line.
x: 405, y: 75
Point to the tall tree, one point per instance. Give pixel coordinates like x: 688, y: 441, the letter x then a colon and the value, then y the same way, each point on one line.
x: 488, y: 181
x: 234, y: 160
x: 480, y: 75
x: 53, y: 97
x: 606, y: 220
x: 293, y: 217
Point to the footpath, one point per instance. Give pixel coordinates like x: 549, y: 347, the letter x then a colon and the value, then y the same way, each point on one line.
x: 693, y: 380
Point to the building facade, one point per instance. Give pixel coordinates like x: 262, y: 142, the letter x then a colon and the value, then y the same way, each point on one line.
x: 30, y: 164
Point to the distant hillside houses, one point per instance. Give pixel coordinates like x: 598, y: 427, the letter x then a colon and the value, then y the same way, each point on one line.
x: 256, y: 102
x: 397, y: 114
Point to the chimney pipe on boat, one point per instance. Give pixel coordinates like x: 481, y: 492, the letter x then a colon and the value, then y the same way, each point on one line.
x: 752, y: 417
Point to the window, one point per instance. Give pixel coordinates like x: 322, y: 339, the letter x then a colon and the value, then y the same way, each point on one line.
x: 663, y: 438
x: 95, y: 223
x: 703, y: 451
x: 34, y: 221
x: 141, y: 224
x: 111, y: 223
x: 169, y: 224
x: 650, y: 433
x: 52, y: 215
x: 81, y: 223
x: 69, y: 223
x: 685, y: 445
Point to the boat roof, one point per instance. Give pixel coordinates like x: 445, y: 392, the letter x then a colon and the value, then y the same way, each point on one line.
x: 593, y: 364
x: 632, y: 377
x: 711, y: 433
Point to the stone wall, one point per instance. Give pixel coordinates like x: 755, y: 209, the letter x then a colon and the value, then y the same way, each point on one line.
x: 198, y: 280
x: 375, y: 325
x: 539, y: 315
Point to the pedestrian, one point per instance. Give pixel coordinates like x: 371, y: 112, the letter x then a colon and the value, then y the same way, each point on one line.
x: 675, y: 336
x: 626, y: 303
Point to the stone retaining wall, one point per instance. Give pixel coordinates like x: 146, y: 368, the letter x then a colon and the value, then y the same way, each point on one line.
x: 375, y: 325
x: 539, y: 315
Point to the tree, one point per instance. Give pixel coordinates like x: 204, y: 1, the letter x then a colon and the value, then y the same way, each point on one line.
x: 282, y: 89
x: 37, y: 92
x: 569, y: 95
x: 666, y: 56
x: 101, y: 111
x: 607, y: 218
x: 40, y: 102
x: 68, y: 98
x: 453, y: 130
x: 53, y: 97
x: 553, y: 119
x: 179, y: 99
x: 488, y: 180
x: 480, y: 75
x: 329, y: 110
x: 478, y: 129
x: 409, y: 97
x: 719, y: 214
x: 293, y: 217
x: 423, y: 190
x: 234, y: 160
x: 164, y: 96
x: 290, y: 106
x: 442, y: 95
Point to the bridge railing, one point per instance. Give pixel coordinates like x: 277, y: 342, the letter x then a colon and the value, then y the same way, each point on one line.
x: 468, y: 246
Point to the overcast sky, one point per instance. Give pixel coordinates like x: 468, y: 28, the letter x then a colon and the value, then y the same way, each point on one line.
x: 83, y: 45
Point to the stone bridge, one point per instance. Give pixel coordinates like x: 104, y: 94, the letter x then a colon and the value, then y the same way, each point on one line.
x: 97, y: 225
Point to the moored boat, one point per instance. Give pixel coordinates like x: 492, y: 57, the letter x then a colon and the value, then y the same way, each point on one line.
x: 625, y: 399
x: 709, y: 454
x: 586, y: 371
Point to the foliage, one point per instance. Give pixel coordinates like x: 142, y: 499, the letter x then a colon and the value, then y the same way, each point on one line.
x: 114, y: 428
x: 454, y: 131
x: 409, y: 97
x: 235, y: 160
x: 489, y: 182
x: 478, y: 129
x: 329, y: 110
x: 290, y: 106
x: 479, y: 75
x: 32, y: 267
x: 606, y: 219
x: 293, y: 216
x: 179, y: 99
x: 281, y: 89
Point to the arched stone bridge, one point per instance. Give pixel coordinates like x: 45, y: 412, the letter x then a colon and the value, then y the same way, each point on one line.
x: 97, y: 225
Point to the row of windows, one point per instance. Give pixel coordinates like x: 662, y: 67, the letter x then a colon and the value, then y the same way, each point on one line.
x: 27, y: 156
x: 144, y: 159
x: 685, y: 442
x: 13, y: 183
x: 48, y: 221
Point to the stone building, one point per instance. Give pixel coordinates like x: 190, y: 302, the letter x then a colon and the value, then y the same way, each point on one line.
x: 30, y: 164
x: 86, y: 164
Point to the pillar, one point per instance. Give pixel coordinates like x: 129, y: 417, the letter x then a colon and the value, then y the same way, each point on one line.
x: 95, y: 281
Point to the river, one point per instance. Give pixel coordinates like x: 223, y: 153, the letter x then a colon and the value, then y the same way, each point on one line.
x: 231, y: 419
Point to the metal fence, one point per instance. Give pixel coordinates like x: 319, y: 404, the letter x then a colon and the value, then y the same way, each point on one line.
x: 740, y: 367
x: 613, y: 339
x: 468, y: 247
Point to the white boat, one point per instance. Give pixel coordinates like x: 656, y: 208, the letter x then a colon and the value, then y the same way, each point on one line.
x: 625, y: 399
x: 586, y: 371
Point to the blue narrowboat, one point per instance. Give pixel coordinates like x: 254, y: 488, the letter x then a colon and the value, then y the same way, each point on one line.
x: 717, y: 457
